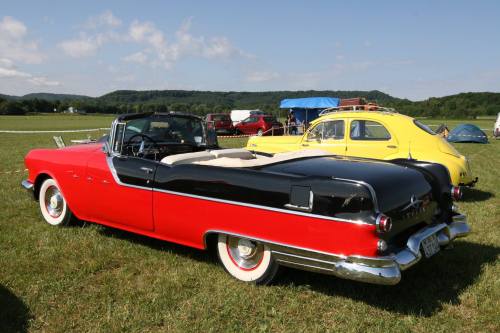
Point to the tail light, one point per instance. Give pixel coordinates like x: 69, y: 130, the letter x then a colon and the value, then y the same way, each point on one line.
x: 383, y: 223
x: 456, y: 193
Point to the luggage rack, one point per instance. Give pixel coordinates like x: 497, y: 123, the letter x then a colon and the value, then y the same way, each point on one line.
x: 356, y: 108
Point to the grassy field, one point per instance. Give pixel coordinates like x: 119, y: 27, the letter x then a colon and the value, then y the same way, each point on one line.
x: 96, y: 279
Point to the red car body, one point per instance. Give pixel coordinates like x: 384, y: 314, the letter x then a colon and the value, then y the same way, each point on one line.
x: 261, y: 125
x: 87, y: 183
x: 222, y: 122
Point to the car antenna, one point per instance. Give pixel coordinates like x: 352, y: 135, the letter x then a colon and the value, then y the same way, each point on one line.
x: 409, y: 151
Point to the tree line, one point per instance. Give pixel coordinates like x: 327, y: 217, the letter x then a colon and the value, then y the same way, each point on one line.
x: 465, y: 105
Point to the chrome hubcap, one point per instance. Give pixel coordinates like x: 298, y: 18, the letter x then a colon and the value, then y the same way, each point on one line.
x: 54, y: 202
x: 245, y: 253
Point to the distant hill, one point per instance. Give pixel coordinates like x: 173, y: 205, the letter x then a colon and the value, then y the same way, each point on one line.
x: 233, y: 99
x: 46, y: 96
x: 463, y: 105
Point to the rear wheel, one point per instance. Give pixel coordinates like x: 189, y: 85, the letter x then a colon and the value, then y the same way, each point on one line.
x: 260, y: 132
x: 246, y: 260
x: 53, y: 206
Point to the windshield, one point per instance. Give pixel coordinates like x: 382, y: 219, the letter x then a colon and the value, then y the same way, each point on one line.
x: 167, y: 129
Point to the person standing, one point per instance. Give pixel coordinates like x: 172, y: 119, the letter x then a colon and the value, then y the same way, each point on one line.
x: 291, y: 123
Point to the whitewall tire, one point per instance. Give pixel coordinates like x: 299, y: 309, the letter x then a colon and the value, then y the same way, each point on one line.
x: 246, y: 260
x: 53, y: 206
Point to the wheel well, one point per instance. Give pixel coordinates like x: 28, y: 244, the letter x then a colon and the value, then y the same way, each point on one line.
x: 38, y: 183
x: 211, y: 240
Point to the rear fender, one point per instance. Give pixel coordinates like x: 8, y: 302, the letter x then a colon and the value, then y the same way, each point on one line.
x: 437, y: 175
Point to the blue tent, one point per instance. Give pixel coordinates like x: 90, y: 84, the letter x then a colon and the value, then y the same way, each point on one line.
x: 308, y: 109
x: 467, y: 133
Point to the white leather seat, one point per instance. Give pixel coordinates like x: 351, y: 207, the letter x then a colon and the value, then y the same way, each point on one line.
x: 188, y: 158
x: 233, y: 153
x: 262, y: 160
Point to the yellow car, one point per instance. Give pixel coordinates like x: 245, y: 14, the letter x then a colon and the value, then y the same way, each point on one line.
x: 380, y: 135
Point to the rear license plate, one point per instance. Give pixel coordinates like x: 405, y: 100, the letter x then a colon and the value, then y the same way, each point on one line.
x: 430, y: 245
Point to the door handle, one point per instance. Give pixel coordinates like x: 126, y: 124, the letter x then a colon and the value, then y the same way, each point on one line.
x: 147, y: 170
x: 305, y: 145
x: 392, y: 146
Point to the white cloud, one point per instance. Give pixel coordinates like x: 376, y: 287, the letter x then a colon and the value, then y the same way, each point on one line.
x: 89, y: 40
x: 10, y: 72
x: 42, y: 81
x: 105, y: 19
x: 138, y: 57
x: 13, y: 42
x: 262, y: 76
x: 184, y: 44
x: 13, y: 27
x: 80, y: 47
x: 6, y: 63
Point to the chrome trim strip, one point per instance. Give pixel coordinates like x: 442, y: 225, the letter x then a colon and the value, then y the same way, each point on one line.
x: 109, y: 160
x: 368, y: 186
x: 379, y: 270
x: 286, y: 246
x: 279, y: 210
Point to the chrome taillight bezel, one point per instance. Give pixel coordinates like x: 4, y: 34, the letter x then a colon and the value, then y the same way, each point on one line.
x: 456, y: 193
x: 383, y: 223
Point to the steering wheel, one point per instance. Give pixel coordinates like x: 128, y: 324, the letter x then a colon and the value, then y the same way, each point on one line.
x: 143, y: 136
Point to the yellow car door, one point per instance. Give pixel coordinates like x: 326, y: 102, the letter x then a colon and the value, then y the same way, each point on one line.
x: 328, y: 135
x: 371, y: 139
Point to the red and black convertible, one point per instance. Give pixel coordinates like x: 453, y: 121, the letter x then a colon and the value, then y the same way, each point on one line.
x: 164, y: 176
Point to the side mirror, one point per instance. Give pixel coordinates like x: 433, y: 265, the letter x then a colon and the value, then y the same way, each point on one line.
x: 105, y: 148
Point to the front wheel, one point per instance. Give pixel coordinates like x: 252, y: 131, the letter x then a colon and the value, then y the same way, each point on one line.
x: 260, y: 132
x: 53, y: 206
x: 246, y: 260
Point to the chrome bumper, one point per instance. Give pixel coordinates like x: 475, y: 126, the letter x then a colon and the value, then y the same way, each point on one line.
x: 378, y: 270
x: 28, y: 186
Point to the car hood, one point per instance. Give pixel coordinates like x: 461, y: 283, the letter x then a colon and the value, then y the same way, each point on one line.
x: 394, y: 185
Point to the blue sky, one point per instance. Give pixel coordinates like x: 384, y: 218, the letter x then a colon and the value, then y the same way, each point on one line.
x: 409, y: 49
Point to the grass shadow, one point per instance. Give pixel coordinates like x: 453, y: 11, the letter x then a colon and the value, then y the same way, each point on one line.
x: 423, y: 288
x: 14, y: 314
x: 421, y: 292
x: 158, y: 244
x: 475, y: 195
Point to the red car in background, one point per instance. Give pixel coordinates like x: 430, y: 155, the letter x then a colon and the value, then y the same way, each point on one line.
x: 260, y: 125
x: 222, y: 122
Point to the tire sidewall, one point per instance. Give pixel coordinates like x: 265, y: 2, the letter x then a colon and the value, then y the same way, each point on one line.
x: 65, y: 214
x: 262, y: 274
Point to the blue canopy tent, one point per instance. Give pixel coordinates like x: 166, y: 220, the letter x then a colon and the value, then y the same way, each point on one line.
x: 467, y: 133
x: 308, y: 109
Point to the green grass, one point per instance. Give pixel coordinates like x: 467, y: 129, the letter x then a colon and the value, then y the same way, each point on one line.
x: 92, y: 278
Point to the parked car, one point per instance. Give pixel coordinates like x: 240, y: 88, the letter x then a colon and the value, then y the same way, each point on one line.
x: 240, y: 115
x: 222, y: 122
x: 374, y: 134
x: 260, y: 125
x: 496, y: 129
x: 163, y: 176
